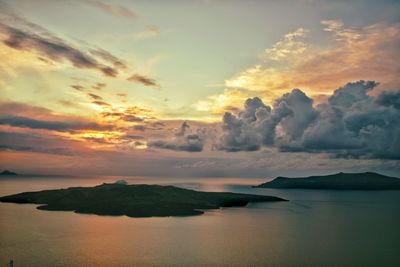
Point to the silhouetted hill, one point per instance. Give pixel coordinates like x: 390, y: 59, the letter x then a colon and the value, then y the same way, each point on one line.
x: 134, y: 200
x: 7, y: 172
x: 340, y: 181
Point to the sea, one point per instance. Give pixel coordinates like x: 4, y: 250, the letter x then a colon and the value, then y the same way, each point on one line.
x: 314, y: 228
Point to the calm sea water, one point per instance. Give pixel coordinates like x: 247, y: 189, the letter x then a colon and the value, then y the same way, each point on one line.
x: 316, y: 228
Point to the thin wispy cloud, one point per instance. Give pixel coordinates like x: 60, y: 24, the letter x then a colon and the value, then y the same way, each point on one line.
x: 112, y: 9
x: 19, y: 34
x: 354, y: 53
x: 292, y: 44
x: 52, y: 49
x: 146, y: 81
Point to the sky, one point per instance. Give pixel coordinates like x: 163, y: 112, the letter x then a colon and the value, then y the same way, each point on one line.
x: 201, y: 88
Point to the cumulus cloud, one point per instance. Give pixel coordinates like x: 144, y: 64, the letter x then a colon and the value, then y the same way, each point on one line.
x: 389, y: 99
x: 350, y: 124
x: 237, y: 135
x: 184, y: 140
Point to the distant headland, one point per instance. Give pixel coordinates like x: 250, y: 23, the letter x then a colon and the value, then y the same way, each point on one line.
x: 338, y: 181
x: 134, y: 200
x: 7, y: 172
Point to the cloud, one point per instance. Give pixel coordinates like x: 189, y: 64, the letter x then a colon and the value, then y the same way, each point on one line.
x: 345, y: 53
x: 26, y: 116
x: 139, y: 127
x: 128, y: 114
x: 292, y: 44
x: 95, y: 97
x: 133, y: 136
x: 143, y: 80
x: 236, y: 135
x: 78, y: 87
x: 389, y: 99
x: 129, y: 117
x: 149, y: 32
x: 99, y: 86
x: 350, y: 124
x: 25, y: 142
x: 61, y: 126
x: 107, y: 56
x: 22, y: 35
x: 184, y: 140
x: 101, y: 103
x: 115, y: 10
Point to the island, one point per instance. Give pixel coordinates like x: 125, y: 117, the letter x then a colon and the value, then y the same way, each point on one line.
x: 134, y: 200
x: 7, y: 172
x: 338, y: 181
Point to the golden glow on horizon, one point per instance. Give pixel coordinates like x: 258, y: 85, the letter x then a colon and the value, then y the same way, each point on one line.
x: 81, y: 100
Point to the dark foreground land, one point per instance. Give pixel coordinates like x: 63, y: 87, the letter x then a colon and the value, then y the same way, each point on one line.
x: 134, y: 200
x: 339, y: 181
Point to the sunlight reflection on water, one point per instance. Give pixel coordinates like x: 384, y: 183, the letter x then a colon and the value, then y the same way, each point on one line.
x: 316, y: 228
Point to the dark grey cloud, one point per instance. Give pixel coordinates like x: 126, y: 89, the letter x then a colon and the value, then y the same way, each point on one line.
x: 238, y: 137
x: 13, y: 141
x: 350, y: 124
x: 61, y: 126
x: 184, y: 140
x: 389, y: 99
x: 20, y: 34
x: 57, y: 151
x: 27, y: 116
x: 351, y: 93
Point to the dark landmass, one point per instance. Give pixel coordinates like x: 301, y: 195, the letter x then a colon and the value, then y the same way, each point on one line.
x: 134, y: 200
x: 7, y: 172
x: 339, y: 181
